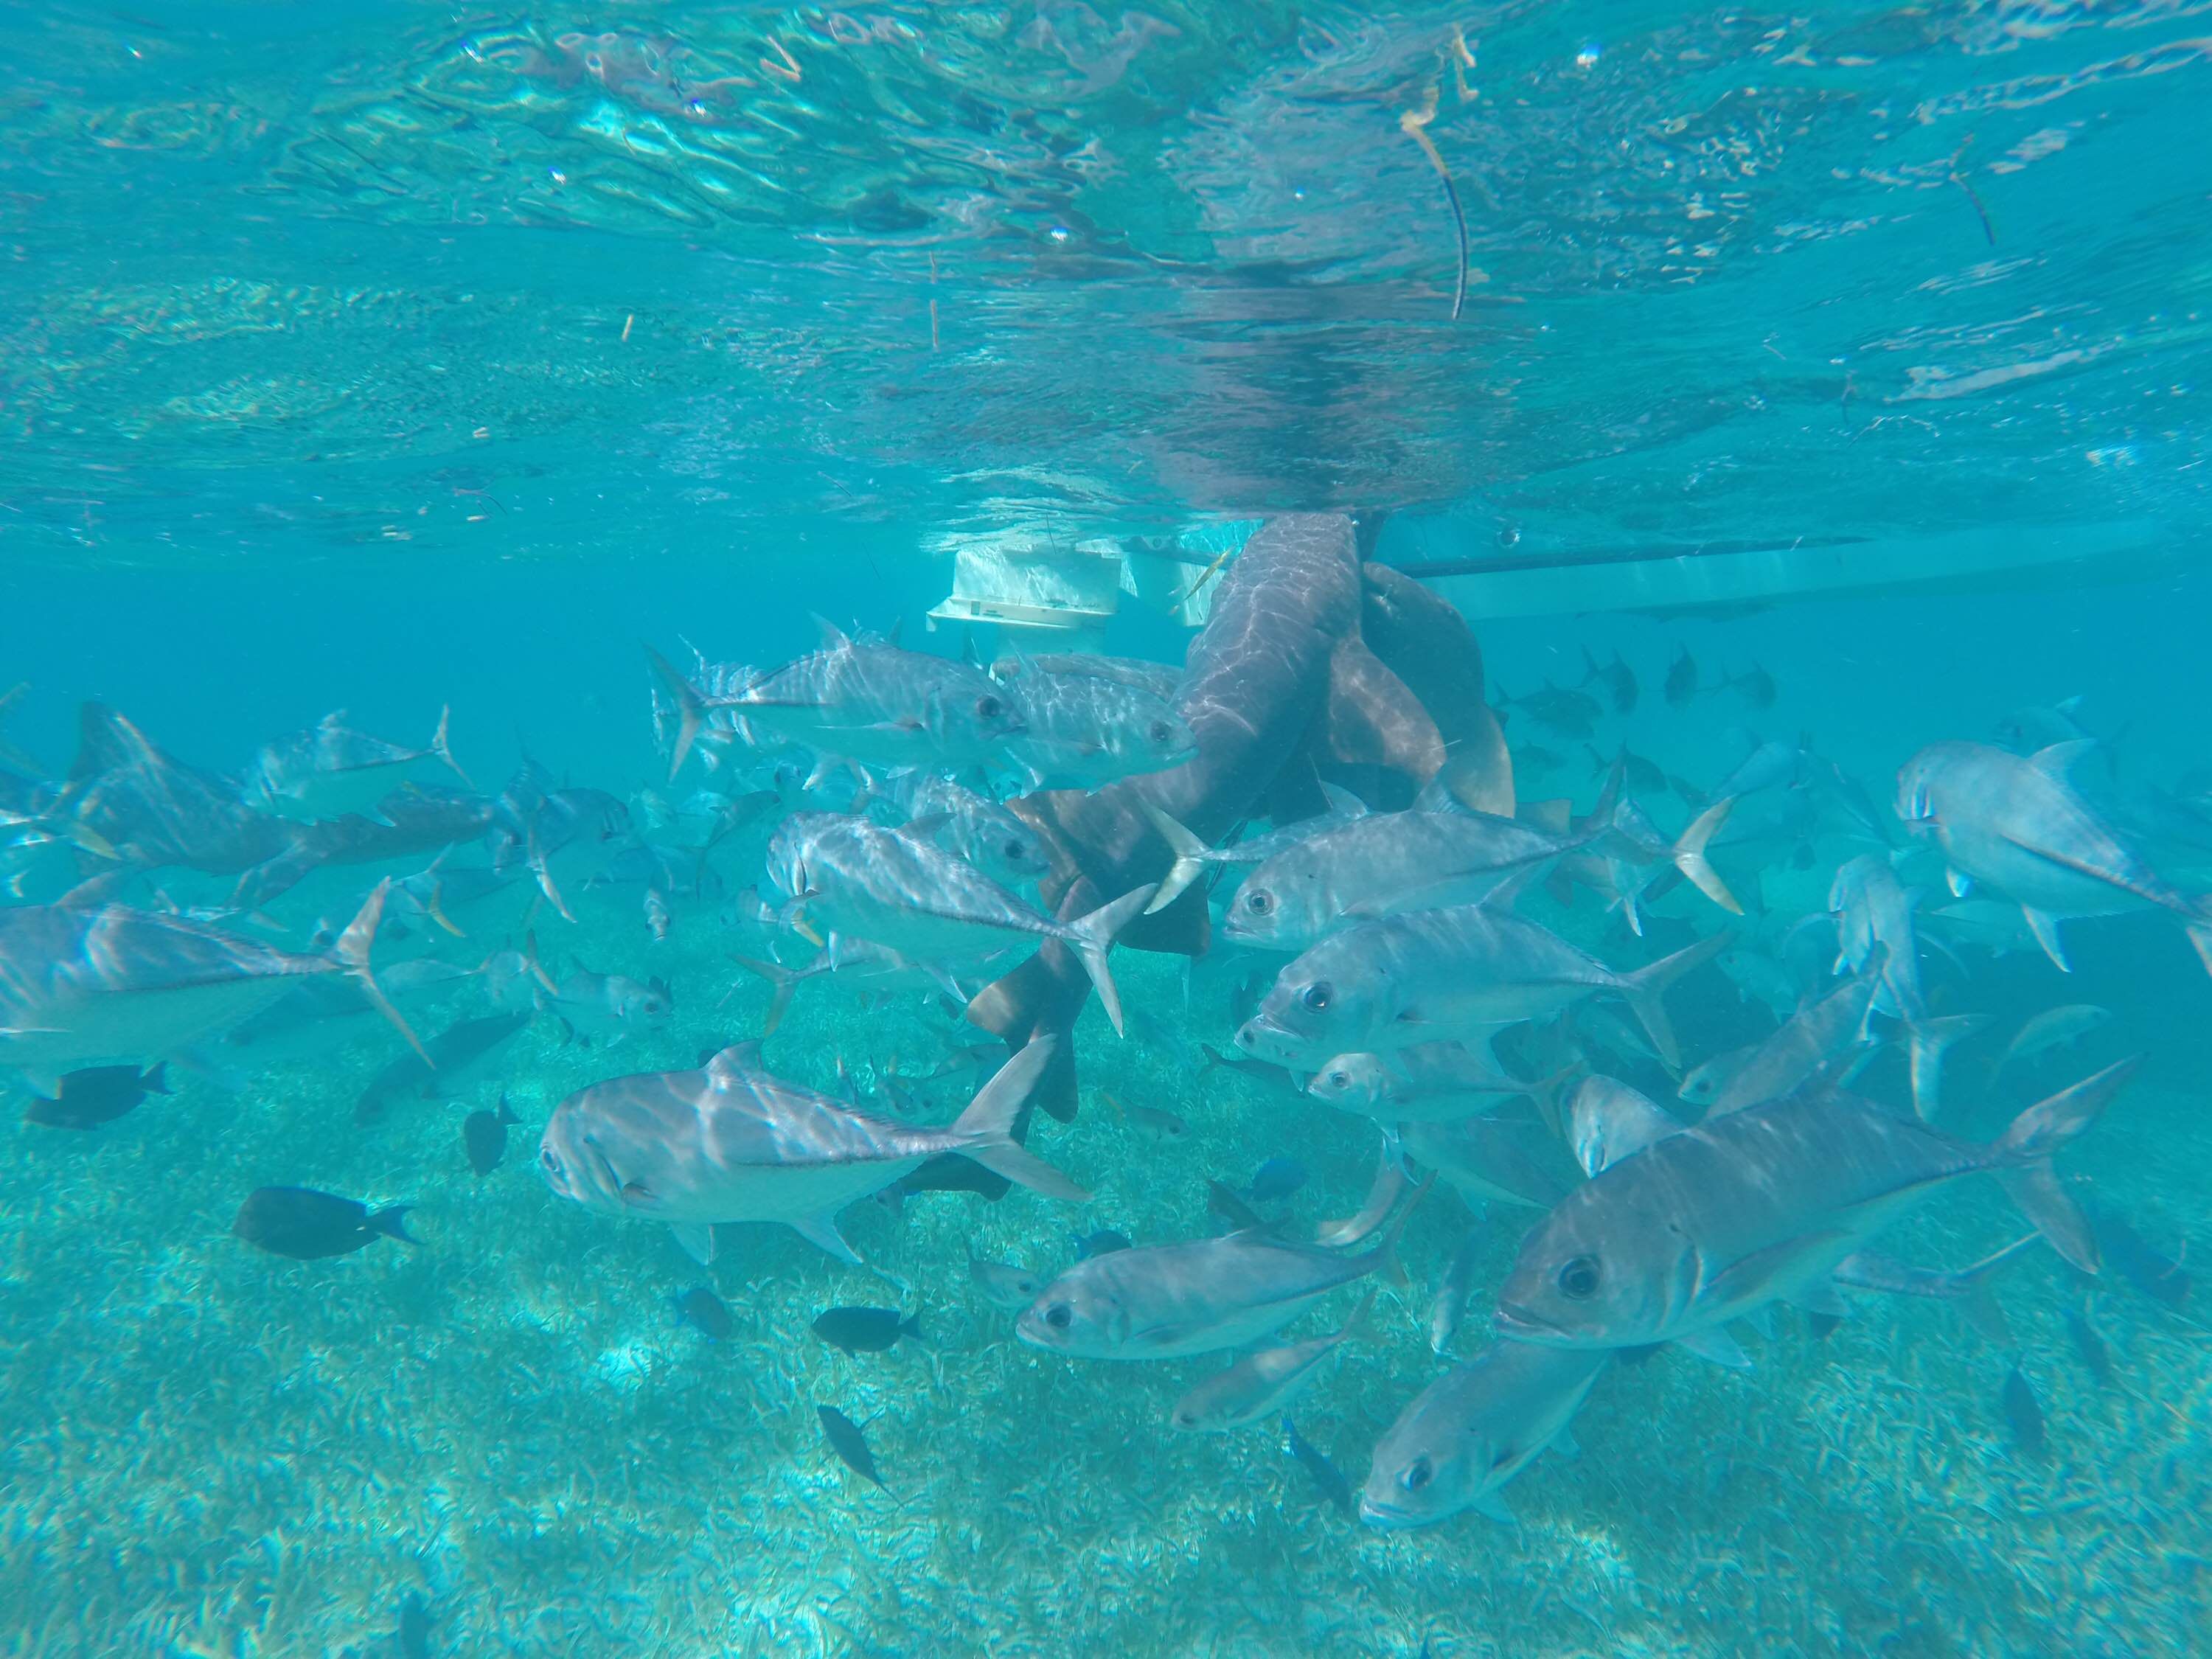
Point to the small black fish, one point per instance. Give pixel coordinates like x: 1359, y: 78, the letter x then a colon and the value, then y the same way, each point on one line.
x: 1642, y: 776
x: 1681, y: 679
x: 2160, y: 1277
x: 1225, y: 1201
x: 1102, y: 1243
x: 1532, y: 757
x: 706, y: 1313
x: 1277, y: 1178
x: 1618, y: 679
x: 849, y: 1443
x: 2022, y: 1411
x: 306, y: 1225
x: 1327, y: 1480
x: 1755, y: 686
x: 411, y: 1638
x: 97, y: 1095
x: 484, y: 1134
x: 2090, y: 1346
x: 865, y: 1330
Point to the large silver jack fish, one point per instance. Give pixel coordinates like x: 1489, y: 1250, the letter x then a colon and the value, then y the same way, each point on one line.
x: 108, y: 985
x: 734, y: 1142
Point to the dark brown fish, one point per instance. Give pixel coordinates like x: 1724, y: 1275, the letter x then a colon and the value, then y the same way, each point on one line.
x: 2022, y: 1412
x: 706, y: 1313
x: 865, y: 1330
x: 306, y: 1224
x: 96, y: 1094
x: 1681, y: 678
x: 849, y: 1443
x: 484, y: 1135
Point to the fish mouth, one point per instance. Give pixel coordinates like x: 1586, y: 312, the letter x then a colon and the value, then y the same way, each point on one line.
x: 1380, y: 1517
x: 1516, y: 1322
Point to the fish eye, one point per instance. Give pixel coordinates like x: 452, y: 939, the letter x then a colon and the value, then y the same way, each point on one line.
x: 1016, y: 851
x: 1418, y: 1474
x: 1578, y: 1279
x: 1339, y: 1079
x: 1259, y: 903
x: 1186, y: 1419
x: 1060, y: 1315
x: 1162, y: 731
x: 1317, y: 996
x: 987, y: 707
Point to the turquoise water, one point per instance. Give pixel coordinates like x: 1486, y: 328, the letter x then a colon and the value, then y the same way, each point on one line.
x: 383, y: 358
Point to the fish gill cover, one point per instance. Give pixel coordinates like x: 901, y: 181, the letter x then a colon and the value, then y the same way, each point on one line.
x: 580, y: 1079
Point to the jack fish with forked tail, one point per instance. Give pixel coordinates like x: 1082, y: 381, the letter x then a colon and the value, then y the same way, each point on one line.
x: 2015, y: 825
x: 109, y: 985
x: 734, y: 1142
x: 1721, y: 1219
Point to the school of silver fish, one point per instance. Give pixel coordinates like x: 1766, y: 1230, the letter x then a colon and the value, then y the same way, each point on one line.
x: 1319, y: 809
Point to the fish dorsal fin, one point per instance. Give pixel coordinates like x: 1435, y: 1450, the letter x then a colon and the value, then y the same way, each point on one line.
x: 697, y: 1238
x: 898, y: 627
x: 834, y: 638
x: 333, y: 721
x: 736, y: 1060
x: 1342, y: 802
x: 2060, y: 758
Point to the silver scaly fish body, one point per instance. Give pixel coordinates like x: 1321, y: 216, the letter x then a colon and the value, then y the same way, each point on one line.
x: 734, y: 1142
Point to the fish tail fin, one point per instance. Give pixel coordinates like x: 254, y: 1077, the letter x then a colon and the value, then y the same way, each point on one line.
x: 986, y: 1126
x: 2025, y: 1150
x: 1189, y: 858
x: 531, y: 962
x: 1360, y: 1327
x: 391, y: 1222
x: 2200, y: 935
x: 434, y: 907
x: 690, y: 709
x: 911, y: 1325
x: 157, y: 1080
x: 1926, y: 1043
x: 442, y: 749
x: 506, y: 1112
x: 1091, y: 937
x: 350, y: 955
x: 1384, y: 1258
x: 1689, y: 855
x: 1646, y: 991
x: 543, y: 872
x: 780, y: 977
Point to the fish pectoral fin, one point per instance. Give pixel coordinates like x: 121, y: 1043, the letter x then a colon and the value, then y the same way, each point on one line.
x: 697, y: 1238
x: 1960, y: 883
x: 821, y: 1231
x: 1563, y: 1443
x: 1820, y: 1296
x: 1758, y: 1277
x: 1717, y: 1346
x: 1493, y: 1504
x: 1761, y: 1319
x: 2044, y: 927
